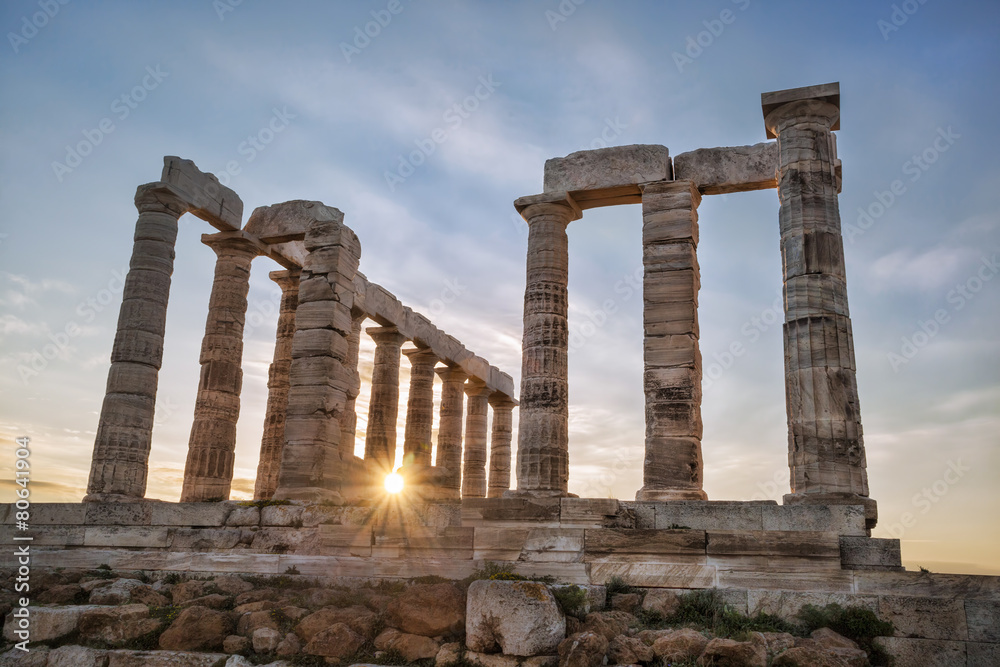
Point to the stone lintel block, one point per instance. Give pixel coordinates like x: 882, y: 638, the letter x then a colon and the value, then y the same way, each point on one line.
x: 189, y: 514
x: 799, y: 543
x: 126, y: 536
x: 928, y: 652
x: 983, y: 619
x: 587, y: 512
x: 119, y: 514
x: 707, y: 515
x: 717, y: 171
x: 788, y: 604
x: 208, y: 199
x: 925, y: 617
x: 655, y: 575
x: 604, y: 541
x: 830, y: 581
x: 497, y: 511
x: 281, y: 515
x: 869, y: 553
x: 606, y: 168
x: 925, y: 584
x: 824, y: 92
x: 289, y: 221
x: 383, y: 307
x: 840, y: 519
x: 476, y: 367
x: 204, y: 539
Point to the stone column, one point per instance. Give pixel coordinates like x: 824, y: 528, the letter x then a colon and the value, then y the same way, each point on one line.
x: 419, y: 408
x: 273, y: 440
x: 500, y: 438
x: 449, y: 449
x: 383, y: 411
x: 543, y: 436
x: 672, y: 468
x: 208, y: 473
x: 121, y: 449
x: 349, y: 420
x: 474, y: 467
x: 826, y: 450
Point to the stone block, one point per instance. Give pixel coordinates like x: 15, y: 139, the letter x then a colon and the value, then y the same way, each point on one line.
x: 55, y: 536
x: 924, y: 652
x: 606, y: 168
x: 925, y: 618
x: 602, y: 542
x: 346, y: 540
x: 124, y: 658
x: 729, y: 169
x: 47, y: 623
x: 189, y: 514
x: 982, y: 655
x: 289, y: 221
x: 53, y: 514
x: 204, y: 539
x: 922, y: 584
x: 868, y: 553
x: 510, y: 511
x: 126, y: 536
x: 831, y: 581
x: 809, y: 544
x: 76, y: 656
x: 521, y: 618
x: 281, y: 515
x: 118, y: 514
x: 208, y: 199
x: 244, y: 516
x: 586, y: 512
x: 655, y: 575
x: 840, y: 519
x: 707, y: 515
x: 787, y: 604
x: 983, y: 619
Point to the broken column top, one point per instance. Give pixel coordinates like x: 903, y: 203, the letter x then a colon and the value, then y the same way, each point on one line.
x: 207, y: 198
x: 826, y: 92
x: 605, y: 168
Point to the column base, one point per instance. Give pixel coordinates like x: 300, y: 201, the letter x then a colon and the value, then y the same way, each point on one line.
x: 115, y: 498
x: 537, y: 493
x: 312, y: 494
x: 871, y: 507
x: 670, y: 494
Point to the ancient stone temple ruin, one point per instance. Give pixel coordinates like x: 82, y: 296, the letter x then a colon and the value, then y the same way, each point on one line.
x: 323, y: 512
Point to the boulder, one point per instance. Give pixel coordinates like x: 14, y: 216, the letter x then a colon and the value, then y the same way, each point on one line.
x: 774, y: 642
x: 817, y: 656
x: 251, y: 622
x: 585, y: 649
x: 188, y: 590
x: 266, y: 640
x: 624, y: 650
x: 197, y: 629
x: 125, y: 591
x: 290, y: 645
x: 449, y: 654
x: 827, y: 638
x: 491, y: 659
x: 77, y: 656
x: 336, y: 641
x: 232, y: 585
x: 15, y: 657
x: 662, y: 601
x: 411, y: 647
x: 47, y: 623
x: 235, y: 644
x: 117, y: 625
x: 361, y: 621
x: 520, y: 618
x: 680, y: 645
x: 609, y: 624
x: 730, y: 653
x: 62, y: 594
x: 212, y: 601
x: 431, y: 610
x: 124, y: 658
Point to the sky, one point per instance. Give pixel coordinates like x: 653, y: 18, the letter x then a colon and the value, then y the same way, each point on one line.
x: 354, y: 104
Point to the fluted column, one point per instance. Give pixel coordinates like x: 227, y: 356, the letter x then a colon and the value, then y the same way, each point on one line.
x: 419, y: 408
x: 121, y: 449
x: 672, y: 467
x: 383, y: 411
x: 543, y: 435
x: 273, y: 440
x: 826, y: 450
x: 349, y: 420
x: 474, y: 464
x: 449, y: 448
x: 500, y: 438
x: 208, y: 473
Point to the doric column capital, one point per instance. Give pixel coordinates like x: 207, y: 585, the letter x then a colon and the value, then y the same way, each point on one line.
x: 451, y: 374
x: 559, y: 205
x: 160, y: 198
x: 386, y: 336
x: 421, y: 356
x: 501, y: 401
x: 287, y: 280
x: 233, y: 244
x: 476, y: 387
x: 813, y: 104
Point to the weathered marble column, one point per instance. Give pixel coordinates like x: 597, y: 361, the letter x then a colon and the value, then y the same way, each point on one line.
x: 826, y: 451
x: 273, y: 440
x: 121, y: 450
x: 672, y: 468
x: 543, y: 436
x: 476, y: 424
x: 449, y: 449
x: 500, y: 437
x: 208, y: 473
x: 383, y: 410
x: 417, y: 443
x: 349, y: 420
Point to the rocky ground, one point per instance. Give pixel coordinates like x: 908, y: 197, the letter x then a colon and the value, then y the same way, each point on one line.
x: 101, y: 618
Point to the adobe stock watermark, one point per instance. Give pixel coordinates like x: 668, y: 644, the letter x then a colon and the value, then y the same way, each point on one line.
x: 915, y: 168
x: 453, y: 118
x: 958, y: 297
x: 929, y: 496
x: 255, y: 143
x: 372, y: 29
x: 31, y: 25
x: 449, y: 294
x: 223, y: 7
x: 565, y: 9
x: 695, y: 45
x: 121, y: 107
x: 39, y: 359
x: 898, y: 17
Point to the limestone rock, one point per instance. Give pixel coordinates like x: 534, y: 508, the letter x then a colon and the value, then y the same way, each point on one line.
x: 235, y: 644
x: 123, y: 658
x: 519, y: 617
x: 730, y: 653
x: 607, y: 168
x: 266, y: 640
x: 609, y: 624
x: 77, y: 656
x: 197, y: 629
x: 290, y: 645
x: 212, y: 601
x: 231, y: 584
x: 47, y: 623
x: 411, y: 647
x: 730, y: 169
x: 774, y: 642
x: 827, y: 638
x: 817, y: 656
x: 62, y: 594
x: 679, y: 645
x: 585, y: 649
x: 17, y: 658
x: 663, y: 601
x: 250, y: 622
x: 624, y: 650
x: 336, y: 641
x: 627, y: 602
x: 188, y: 590
x: 124, y: 591
x: 361, y: 621
x: 449, y: 654
x: 117, y: 625
x: 431, y: 610
x: 491, y: 659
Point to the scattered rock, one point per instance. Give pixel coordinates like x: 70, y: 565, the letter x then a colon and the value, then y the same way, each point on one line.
x: 230, y: 584
x: 411, y: 647
x: 430, y: 610
x: 124, y: 591
x: 212, y: 601
x: 449, y: 654
x: 679, y: 645
x: 47, y: 623
x: 624, y: 650
x: 250, y: 622
x: 197, y: 629
x: 521, y: 618
x: 774, y: 642
x: 62, y: 594
x: 817, y: 656
x: 730, y: 653
x: 585, y: 649
x: 336, y: 641
x: 290, y: 645
x: 17, y: 658
x: 827, y: 638
x: 491, y: 659
x: 77, y: 656
x: 361, y: 621
x: 662, y: 601
x: 235, y: 644
x: 609, y: 624
x: 117, y: 625
x: 188, y: 590
x: 625, y: 602
x: 266, y: 640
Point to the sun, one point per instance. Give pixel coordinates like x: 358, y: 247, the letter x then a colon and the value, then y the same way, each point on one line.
x: 393, y: 482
